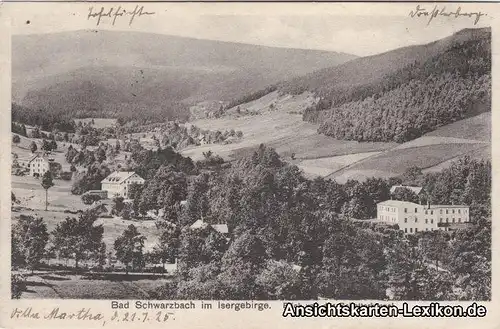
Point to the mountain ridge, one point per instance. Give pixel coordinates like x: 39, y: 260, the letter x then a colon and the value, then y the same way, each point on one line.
x: 404, y: 93
x: 48, y: 67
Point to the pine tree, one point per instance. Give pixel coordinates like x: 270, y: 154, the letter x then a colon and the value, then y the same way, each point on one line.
x: 46, y: 184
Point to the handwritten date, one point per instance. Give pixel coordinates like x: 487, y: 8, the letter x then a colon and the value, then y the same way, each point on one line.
x: 142, y: 317
x: 88, y: 315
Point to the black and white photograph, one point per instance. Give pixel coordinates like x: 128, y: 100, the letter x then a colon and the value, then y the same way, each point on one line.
x: 251, y: 156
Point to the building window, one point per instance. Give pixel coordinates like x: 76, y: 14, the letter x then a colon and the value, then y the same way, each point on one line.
x: 432, y: 221
x: 426, y: 212
x: 416, y: 210
x: 460, y: 220
x: 447, y: 220
x: 406, y: 230
x: 416, y: 230
x: 432, y: 212
x: 426, y: 221
x: 411, y: 230
x: 465, y: 211
x: 426, y: 229
x: 453, y: 220
x: 453, y: 211
x: 446, y: 211
x: 406, y: 210
x: 406, y: 220
x: 441, y: 211
x: 440, y: 220
x: 459, y: 211
x: 416, y: 220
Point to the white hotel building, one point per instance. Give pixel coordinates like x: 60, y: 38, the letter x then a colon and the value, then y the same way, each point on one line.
x: 412, y: 217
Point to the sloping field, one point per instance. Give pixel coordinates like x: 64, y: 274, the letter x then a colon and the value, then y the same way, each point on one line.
x: 75, y: 287
x: 113, y: 227
x: 22, y: 149
x: 483, y: 153
x: 317, y: 155
x: 435, y: 140
x: 30, y: 193
x: 325, y: 166
x: 98, y: 122
x: 475, y: 128
x: 395, y: 162
x: 274, y: 101
x: 279, y: 128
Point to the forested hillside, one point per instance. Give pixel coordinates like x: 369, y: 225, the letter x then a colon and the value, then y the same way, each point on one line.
x: 144, y: 76
x: 293, y: 238
x: 402, y: 94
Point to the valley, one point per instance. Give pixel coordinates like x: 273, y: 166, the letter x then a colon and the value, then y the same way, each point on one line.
x: 206, y: 170
x: 317, y: 155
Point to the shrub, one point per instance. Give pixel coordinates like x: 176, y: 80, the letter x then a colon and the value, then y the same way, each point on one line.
x: 17, y: 285
x: 90, y: 198
x: 66, y: 175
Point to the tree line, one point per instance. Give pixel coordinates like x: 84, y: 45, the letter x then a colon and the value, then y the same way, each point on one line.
x: 76, y: 238
x: 287, y: 231
x: 293, y: 238
x: 408, y: 111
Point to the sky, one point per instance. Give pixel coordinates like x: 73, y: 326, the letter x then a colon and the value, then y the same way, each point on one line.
x: 359, y: 29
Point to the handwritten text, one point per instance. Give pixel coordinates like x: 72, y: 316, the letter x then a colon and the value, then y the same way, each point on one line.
x: 114, y: 13
x: 436, y: 11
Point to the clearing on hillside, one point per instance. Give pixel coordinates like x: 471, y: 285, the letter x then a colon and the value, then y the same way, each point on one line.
x: 281, y: 128
x: 477, y: 128
x: 325, y: 166
x: 98, y: 122
x: 395, y: 162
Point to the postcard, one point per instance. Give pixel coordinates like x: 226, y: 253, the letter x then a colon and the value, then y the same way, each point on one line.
x: 247, y: 165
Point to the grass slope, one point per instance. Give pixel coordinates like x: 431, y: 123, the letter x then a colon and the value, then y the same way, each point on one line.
x: 281, y: 129
x: 475, y: 128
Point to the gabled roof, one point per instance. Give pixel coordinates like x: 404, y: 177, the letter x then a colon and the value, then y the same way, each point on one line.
x: 28, y: 159
x: 414, y: 189
x: 222, y: 228
x: 118, y: 177
x: 397, y: 203
x: 199, y: 224
x: 41, y: 156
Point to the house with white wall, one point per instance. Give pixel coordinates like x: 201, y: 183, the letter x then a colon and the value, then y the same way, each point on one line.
x: 412, y: 217
x: 118, y: 183
x: 38, y: 165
